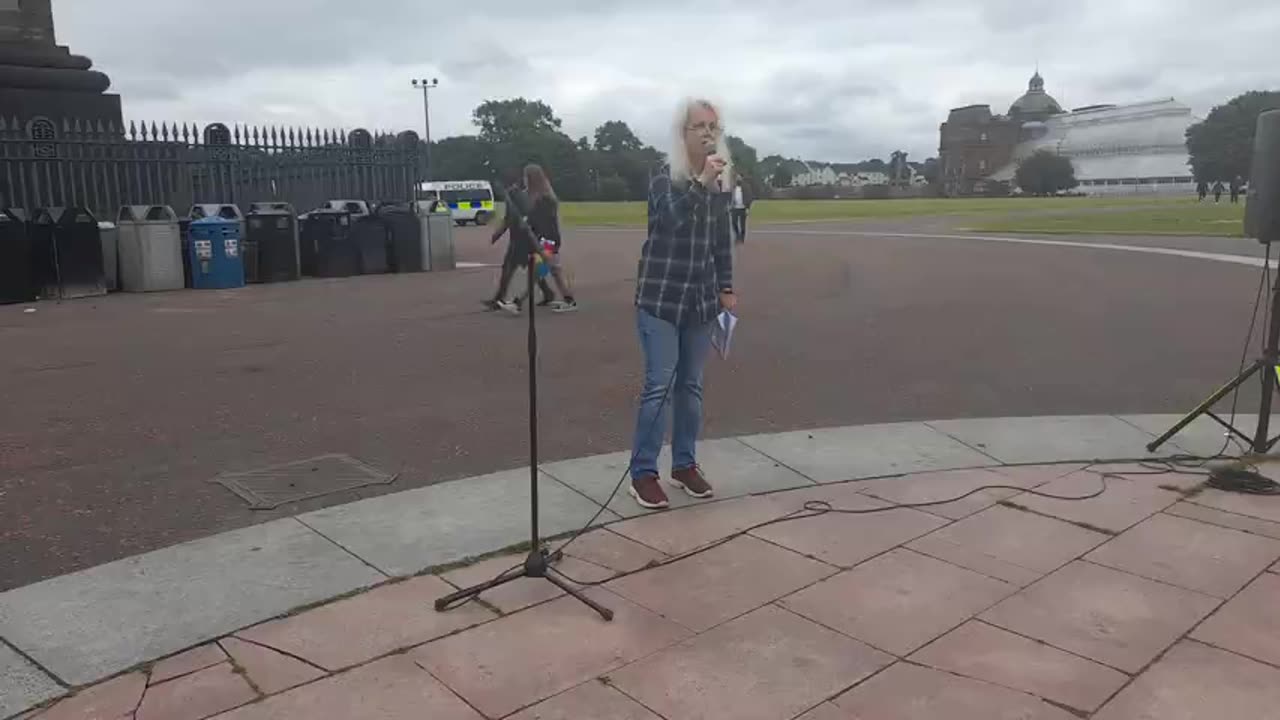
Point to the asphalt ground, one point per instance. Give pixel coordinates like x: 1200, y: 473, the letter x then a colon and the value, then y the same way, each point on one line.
x: 116, y: 412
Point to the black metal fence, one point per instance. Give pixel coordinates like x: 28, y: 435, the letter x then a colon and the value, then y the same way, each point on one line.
x: 102, y: 167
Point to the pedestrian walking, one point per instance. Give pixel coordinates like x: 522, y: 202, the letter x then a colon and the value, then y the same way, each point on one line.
x: 519, y: 245
x: 739, y: 207
x: 544, y: 220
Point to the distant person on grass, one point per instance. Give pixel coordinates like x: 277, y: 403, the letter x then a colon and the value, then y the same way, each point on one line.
x: 1217, y: 191
x: 684, y: 280
x: 1236, y: 183
x: 739, y: 206
x: 1202, y: 189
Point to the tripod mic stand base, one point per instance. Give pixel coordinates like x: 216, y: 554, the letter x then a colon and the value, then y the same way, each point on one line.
x: 536, y: 565
x: 1262, y: 366
x: 1266, y: 367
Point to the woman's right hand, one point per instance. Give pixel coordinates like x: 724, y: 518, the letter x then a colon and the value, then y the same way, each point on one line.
x: 711, y: 170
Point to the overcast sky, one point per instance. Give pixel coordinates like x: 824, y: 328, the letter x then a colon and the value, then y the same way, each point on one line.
x: 837, y: 80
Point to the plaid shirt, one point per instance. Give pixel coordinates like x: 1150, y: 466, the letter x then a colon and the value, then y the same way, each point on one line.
x: 688, y: 257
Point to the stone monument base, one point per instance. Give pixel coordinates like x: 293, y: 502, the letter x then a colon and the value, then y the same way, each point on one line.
x: 59, y: 105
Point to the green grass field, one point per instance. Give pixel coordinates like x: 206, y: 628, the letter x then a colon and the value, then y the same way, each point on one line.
x: 1021, y: 214
x: 1186, y: 217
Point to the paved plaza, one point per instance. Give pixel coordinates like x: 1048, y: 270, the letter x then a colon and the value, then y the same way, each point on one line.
x: 118, y: 412
x: 1153, y: 600
x: 882, y: 364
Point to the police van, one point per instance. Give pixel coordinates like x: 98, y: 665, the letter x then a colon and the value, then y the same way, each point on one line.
x: 468, y: 200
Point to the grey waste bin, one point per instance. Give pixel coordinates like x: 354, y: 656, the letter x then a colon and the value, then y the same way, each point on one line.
x: 273, y: 229
x: 437, y: 236
x: 110, y: 235
x: 150, y: 249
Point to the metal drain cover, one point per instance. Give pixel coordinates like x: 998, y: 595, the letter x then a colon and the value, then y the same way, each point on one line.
x: 269, y: 488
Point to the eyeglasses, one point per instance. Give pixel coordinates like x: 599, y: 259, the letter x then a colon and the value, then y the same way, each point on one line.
x: 705, y: 128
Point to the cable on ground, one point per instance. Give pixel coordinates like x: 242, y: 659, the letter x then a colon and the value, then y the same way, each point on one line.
x: 1229, y: 479
x: 818, y: 508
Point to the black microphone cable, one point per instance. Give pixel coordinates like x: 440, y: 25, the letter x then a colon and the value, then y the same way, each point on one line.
x: 817, y: 508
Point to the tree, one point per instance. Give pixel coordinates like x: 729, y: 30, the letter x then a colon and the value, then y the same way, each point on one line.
x: 1221, y: 147
x: 615, y: 136
x: 612, y: 163
x: 875, y: 165
x: 930, y: 171
x: 613, y: 188
x: 746, y: 163
x: 782, y: 177
x: 459, y: 158
x: 516, y: 132
x: 1045, y: 173
x: 899, y: 170
x: 648, y: 162
x: 620, y: 154
x: 503, y: 121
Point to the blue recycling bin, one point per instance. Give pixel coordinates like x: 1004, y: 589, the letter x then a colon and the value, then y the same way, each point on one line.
x: 215, y: 257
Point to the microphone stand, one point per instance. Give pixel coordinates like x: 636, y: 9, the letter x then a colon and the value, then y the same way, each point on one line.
x: 538, y: 562
x: 1267, y: 366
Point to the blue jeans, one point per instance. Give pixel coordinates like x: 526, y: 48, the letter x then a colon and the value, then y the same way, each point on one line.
x: 669, y: 350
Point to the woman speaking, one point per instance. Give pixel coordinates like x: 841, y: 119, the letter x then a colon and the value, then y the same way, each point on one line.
x: 685, y: 278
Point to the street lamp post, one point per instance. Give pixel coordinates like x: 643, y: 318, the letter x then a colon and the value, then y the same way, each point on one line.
x: 427, y: 86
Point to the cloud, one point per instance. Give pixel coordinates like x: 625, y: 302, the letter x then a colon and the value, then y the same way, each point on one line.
x: 835, y: 80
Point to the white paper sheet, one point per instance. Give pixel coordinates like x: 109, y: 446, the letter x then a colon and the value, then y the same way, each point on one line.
x: 722, y: 332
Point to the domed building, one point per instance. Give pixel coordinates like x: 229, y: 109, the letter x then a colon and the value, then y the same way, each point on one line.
x: 1116, y: 149
x: 1036, y: 104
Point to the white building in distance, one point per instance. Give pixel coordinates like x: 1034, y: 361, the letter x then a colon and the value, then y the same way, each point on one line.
x: 1117, y: 149
x: 1129, y: 148
x: 814, y: 176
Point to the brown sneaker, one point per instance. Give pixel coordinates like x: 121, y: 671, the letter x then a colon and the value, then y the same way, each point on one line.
x: 648, y: 492
x: 692, y: 481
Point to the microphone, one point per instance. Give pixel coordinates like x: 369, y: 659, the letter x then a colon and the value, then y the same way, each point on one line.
x: 710, y: 147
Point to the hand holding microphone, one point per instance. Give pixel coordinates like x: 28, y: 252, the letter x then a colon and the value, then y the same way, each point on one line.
x: 711, y: 169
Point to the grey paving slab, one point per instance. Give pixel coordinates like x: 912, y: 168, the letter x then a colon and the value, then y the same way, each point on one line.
x: 91, y: 624
x: 1052, y: 439
x: 733, y: 468
x: 408, y: 532
x: 836, y: 454
x: 1203, y: 436
x: 23, y: 685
